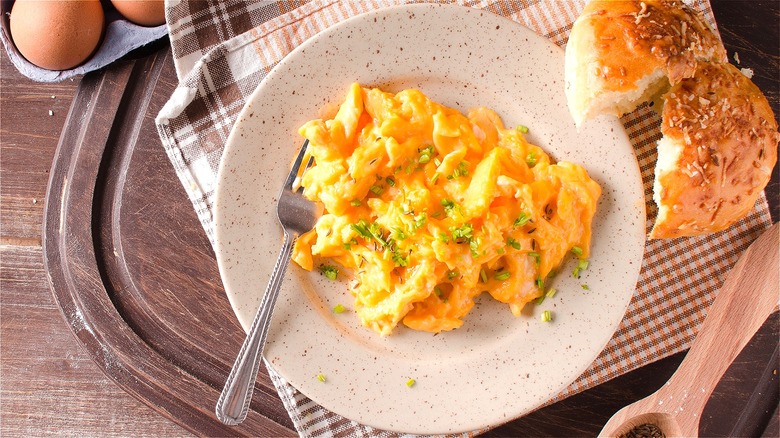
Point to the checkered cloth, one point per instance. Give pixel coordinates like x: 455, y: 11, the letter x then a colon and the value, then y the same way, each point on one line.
x: 223, y: 49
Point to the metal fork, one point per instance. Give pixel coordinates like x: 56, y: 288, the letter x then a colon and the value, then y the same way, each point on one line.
x: 297, y: 215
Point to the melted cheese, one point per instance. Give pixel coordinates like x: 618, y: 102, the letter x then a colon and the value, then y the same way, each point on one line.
x: 429, y: 208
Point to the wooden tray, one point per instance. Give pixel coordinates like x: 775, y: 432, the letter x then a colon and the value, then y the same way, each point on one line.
x: 137, y: 281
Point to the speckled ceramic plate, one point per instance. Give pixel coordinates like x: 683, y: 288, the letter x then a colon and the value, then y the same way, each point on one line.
x: 496, y: 367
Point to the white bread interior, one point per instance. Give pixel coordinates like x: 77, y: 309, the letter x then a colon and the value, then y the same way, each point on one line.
x: 669, y: 154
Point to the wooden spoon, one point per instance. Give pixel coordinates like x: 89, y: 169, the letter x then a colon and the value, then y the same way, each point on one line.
x: 747, y: 298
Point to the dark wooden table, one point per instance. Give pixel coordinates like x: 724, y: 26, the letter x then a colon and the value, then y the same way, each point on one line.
x: 49, y: 383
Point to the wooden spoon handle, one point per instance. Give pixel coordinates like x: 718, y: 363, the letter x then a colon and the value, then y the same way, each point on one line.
x: 745, y: 300
x: 747, y: 297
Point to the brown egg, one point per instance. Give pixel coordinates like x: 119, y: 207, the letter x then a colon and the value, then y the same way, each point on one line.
x: 143, y: 12
x: 57, y: 34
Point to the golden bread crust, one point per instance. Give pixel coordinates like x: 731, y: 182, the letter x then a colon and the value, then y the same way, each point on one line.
x: 620, y: 52
x: 636, y: 37
x: 725, y: 136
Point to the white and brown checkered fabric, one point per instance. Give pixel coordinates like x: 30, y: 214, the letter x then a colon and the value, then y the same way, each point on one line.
x: 223, y: 49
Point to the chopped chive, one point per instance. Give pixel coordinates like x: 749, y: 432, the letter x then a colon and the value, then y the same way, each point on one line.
x: 449, y: 206
x: 444, y: 237
x: 390, y: 181
x: 346, y: 246
x: 503, y: 276
x: 530, y: 159
x: 452, y: 274
x: 546, y: 316
x: 338, y: 308
x: 474, y: 247
x: 483, y: 275
x: 355, y: 203
x: 329, y: 271
x: 576, y: 250
x: 425, y: 154
x: 435, y: 178
x: 550, y: 292
x: 419, y: 221
x: 400, y: 234
x: 400, y: 260
x: 513, y: 243
x: 321, y: 377
x: 436, y: 214
x: 437, y: 291
x: 410, y: 383
x: 461, y: 170
x: 540, y: 283
x: 463, y: 232
x: 500, y: 251
x: 437, y: 162
x: 362, y: 228
x: 535, y: 255
x: 581, y: 265
x: 522, y: 220
x: 539, y: 300
x: 377, y: 190
x: 586, y: 287
x: 522, y: 129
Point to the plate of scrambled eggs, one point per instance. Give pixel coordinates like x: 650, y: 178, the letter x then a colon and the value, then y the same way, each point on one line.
x: 476, y: 251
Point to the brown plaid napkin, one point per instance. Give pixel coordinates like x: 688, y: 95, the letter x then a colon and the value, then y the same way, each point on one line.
x: 223, y: 49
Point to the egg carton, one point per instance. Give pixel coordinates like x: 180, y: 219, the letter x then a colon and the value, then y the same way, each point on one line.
x: 120, y: 37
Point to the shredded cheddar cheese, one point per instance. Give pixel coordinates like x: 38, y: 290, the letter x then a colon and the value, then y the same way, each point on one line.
x: 429, y: 208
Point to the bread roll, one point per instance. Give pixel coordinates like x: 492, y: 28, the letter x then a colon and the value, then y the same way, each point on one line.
x: 718, y: 149
x: 622, y: 52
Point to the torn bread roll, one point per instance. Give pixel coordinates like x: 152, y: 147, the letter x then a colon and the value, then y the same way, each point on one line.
x: 720, y: 136
x: 620, y: 53
x: 718, y: 149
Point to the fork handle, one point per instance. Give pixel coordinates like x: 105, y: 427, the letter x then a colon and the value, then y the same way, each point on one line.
x: 233, y: 403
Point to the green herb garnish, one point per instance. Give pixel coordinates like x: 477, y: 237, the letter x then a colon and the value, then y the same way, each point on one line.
x: 501, y: 276
x: 330, y: 272
x: 581, y: 266
x: 461, y: 233
x: 419, y: 220
x: 425, y: 154
x: 522, y: 220
x: 530, y: 159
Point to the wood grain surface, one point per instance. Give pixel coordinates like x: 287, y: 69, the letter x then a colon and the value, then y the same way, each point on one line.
x: 49, y: 383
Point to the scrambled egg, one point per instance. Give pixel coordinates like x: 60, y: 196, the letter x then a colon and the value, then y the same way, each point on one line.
x: 429, y: 208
